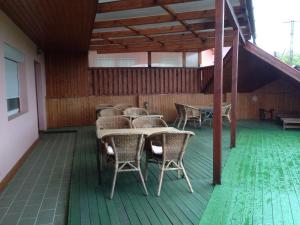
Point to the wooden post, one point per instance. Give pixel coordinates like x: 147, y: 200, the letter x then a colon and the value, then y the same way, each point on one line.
x: 199, y: 58
x: 234, y: 81
x: 149, y: 59
x: 183, y: 59
x: 218, y: 91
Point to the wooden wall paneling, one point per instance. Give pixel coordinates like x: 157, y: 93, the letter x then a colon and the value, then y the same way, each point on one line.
x: 110, y: 82
x: 152, y: 81
x: 67, y: 75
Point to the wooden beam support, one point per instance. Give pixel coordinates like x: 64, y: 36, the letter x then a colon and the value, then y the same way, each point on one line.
x: 195, y: 45
x: 163, y: 38
x: 199, y: 58
x: 234, y: 84
x: 182, y: 22
x: 160, y: 30
x: 134, y: 4
x: 193, y: 15
x: 218, y: 92
x: 234, y: 20
x: 183, y: 59
x: 149, y: 59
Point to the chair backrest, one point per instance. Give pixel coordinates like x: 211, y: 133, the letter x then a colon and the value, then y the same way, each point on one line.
x: 127, y: 147
x: 226, y: 109
x: 122, y: 106
x: 110, y: 112
x: 190, y: 111
x: 148, y: 121
x: 177, y: 107
x: 113, y: 122
x: 173, y: 144
x: 133, y: 111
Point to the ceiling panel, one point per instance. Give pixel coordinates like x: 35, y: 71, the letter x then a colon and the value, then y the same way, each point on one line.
x: 54, y: 25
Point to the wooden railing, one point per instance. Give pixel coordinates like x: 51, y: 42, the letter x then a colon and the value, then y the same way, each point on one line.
x: 143, y: 81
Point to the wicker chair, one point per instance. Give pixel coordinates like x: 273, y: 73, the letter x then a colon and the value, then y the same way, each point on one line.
x: 100, y: 107
x: 191, y: 114
x: 110, y: 112
x: 122, y: 106
x: 127, y: 150
x: 169, y: 155
x: 109, y: 122
x: 148, y: 121
x: 133, y: 111
x: 226, y: 108
x: 179, y: 114
x: 112, y: 122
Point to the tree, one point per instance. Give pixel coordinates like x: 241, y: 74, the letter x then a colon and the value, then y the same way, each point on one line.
x: 295, y: 62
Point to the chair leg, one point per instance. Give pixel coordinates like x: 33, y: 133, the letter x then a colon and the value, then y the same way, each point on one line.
x: 146, y: 167
x: 161, y: 177
x: 99, y: 164
x: 114, y: 182
x: 187, y: 179
x: 143, y: 182
x: 175, y: 121
x: 180, y: 121
x: 178, y: 174
x: 185, y: 120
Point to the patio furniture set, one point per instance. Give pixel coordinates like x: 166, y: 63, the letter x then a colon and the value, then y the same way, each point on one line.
x: 199, y: 114
x: 123, y: 134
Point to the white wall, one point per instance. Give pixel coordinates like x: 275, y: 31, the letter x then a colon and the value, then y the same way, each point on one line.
x: 18, y: 134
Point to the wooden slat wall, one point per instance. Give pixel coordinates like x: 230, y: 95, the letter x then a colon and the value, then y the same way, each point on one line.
x: 66, y: 75
x: 144, y: 81
x: 78, y: 111
x: 164, y: 104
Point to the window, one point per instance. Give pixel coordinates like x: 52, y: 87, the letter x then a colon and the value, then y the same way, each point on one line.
x: 166, y: 59
x: 192, y: 59
x: 12, y: 87
x: 139, y: 59
x: 12, y: 61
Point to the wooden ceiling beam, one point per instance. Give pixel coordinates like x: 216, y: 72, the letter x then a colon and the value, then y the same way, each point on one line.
x: 163, y: 38
x: 158, y: 30
x: 204, y: 14
x: 187, y: 48
x: 234, y: 20
x: 182, y: 22
x: 134, y: 4
x: 171, y: 46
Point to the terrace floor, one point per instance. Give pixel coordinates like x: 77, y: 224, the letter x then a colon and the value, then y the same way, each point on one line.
x: 90, y: 204
x: 261, y: 183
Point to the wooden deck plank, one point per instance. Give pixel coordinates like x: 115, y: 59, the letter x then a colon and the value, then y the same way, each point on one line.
x: 261, y: 178
x: 254, y: 168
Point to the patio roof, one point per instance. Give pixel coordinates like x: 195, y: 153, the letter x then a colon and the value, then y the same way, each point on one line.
x: 169, y: 25
x: 123, y: 26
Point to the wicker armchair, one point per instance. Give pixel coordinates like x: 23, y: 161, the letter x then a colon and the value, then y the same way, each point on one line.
x: 100, y: 107
x: 178, y: 114
x: 191, y: 114
x: 169, y: 155
x: 226, y: 108
x: 110, y: 112
x: 133, y: 111
x: 148, y: 121
x: 112, y: 122
x: 122, y: 107
x: 127, y: 150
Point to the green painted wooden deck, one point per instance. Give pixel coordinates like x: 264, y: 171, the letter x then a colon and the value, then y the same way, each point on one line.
x: 261, y: 183
x: 261, y: 180
x: 89, y: 202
